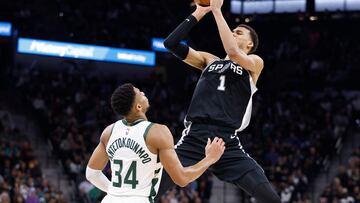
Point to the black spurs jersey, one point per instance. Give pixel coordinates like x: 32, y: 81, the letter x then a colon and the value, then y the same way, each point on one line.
x: 223, y: 96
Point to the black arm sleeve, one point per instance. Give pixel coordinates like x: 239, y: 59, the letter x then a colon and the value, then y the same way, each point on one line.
x: 172, y: 42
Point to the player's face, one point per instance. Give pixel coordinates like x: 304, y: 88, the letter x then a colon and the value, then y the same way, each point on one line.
x: 243, y: 38
x: 141, y: 100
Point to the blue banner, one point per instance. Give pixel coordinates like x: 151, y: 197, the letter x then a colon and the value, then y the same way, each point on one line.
x: 158, y: 44
x: 290, y: 6
x: 329, y: 5
x: 258, y: 6
x: 5, y: 29
x: 89, y: 52
x: 352, y: 5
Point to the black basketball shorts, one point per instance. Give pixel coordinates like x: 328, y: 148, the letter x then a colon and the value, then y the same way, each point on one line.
x: 234, y: 163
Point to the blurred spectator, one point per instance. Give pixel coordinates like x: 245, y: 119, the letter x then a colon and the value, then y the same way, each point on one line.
x: 4, y: 197
x: 345, y: 186
x: 21, y: 179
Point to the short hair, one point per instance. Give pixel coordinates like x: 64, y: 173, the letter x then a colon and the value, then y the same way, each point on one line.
x: 123, y: 99
x: 254, y: 37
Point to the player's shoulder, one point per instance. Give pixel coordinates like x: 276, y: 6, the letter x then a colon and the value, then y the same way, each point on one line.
x: 159, y: 131
x: 158, y: 128
x: 257, y: 59
x: 105, y: 135
x: 159, y: 136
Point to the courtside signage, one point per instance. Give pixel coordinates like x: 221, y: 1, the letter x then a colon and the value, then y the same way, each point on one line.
x: 5, y: 29
x: 89, y: 52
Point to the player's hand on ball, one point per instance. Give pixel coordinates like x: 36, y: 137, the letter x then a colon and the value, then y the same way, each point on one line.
x: 202, y: 2
x: 216, y: 4
x: 203, y: 9
x: 214, y: 149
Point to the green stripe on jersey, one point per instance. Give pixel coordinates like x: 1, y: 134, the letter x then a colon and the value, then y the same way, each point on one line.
x: 147, y: 130
x: 152, y: 190
x: 125, y: 122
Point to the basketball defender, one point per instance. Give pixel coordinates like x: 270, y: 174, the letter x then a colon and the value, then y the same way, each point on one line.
x: 134, y: 145
x: 222, y: 102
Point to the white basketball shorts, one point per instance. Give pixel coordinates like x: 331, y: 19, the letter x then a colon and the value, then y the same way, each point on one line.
x: 124, y: 199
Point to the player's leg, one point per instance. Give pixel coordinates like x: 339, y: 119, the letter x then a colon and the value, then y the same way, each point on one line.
x: 237, y: 167
x: 258, y: 186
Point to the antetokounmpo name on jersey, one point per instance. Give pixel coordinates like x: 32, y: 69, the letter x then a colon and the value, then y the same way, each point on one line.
x: 131, y: 144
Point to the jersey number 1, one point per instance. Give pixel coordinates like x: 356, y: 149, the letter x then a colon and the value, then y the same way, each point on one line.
x: 131, y: 172
x: 221, y: 87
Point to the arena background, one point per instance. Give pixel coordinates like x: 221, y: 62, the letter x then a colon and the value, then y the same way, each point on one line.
x: 60, y: 61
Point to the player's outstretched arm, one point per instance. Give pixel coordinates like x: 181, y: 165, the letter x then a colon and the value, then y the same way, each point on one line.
x: 190, y: 56
x: 98, y: 161
x: 252, y: 62
x: 161, y: 137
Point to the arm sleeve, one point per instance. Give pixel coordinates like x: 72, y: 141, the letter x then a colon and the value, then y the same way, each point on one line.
x: 172, y: 42
x: 98, y: 179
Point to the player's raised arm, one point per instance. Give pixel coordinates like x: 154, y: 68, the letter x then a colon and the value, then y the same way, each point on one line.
x: 160, y: 137
x: 98, y: 161
x: 252, y: 62
x: 190, y: 56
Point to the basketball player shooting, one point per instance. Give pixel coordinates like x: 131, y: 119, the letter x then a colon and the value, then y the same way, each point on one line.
x: 134, y: 147
x: 222, y: 102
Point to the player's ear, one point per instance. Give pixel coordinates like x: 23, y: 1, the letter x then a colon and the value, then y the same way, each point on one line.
x: 138, y: 107
x: 250, y: 45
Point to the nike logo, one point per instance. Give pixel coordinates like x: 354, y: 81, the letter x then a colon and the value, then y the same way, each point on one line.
x: 187, y: 20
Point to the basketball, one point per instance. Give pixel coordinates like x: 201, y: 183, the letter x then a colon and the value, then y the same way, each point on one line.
x: 202, y: 2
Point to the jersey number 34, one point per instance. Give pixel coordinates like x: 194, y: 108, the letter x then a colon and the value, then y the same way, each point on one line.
x: 130, y: 177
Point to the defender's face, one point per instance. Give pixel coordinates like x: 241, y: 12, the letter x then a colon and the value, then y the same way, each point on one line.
x: 141, y: 101
x: 243, y: 38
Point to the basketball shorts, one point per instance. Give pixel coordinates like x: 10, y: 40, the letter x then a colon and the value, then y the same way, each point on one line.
x: 234, y: 163
x: 125, y: 199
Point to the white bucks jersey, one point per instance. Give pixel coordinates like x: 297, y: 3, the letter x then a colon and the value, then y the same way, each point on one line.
x: 135, y: 170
